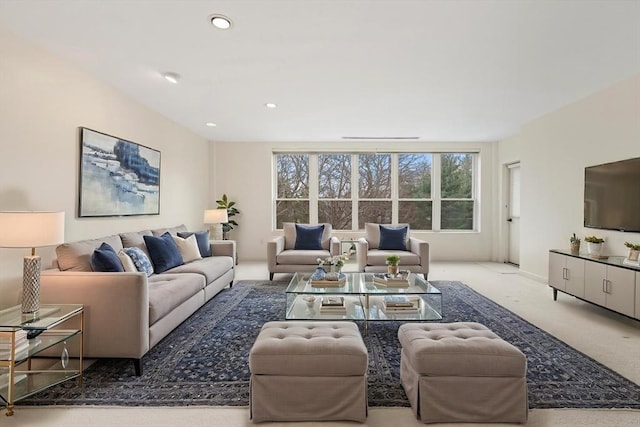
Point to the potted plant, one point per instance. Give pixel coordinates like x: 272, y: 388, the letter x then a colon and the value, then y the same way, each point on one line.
x: 225, y: 203
x: 634, y: 251
x: 574, y: 242
x: 594, y: 245
x: 392, y: 264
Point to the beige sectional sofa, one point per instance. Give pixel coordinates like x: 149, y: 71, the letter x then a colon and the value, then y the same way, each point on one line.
x: 127, y: 313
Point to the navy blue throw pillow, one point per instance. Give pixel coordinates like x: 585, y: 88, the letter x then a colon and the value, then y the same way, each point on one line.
x: 163, y: 251
x: 309, y: 237
x: 393, y: 238
x: 202, y: 237
x: 106, y: 259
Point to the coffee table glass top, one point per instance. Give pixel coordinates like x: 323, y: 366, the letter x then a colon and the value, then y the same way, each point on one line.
x: 359, y: 284
x: 363, y: 299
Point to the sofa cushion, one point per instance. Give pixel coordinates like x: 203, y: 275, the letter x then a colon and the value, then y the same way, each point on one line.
x: 171, y: 230
x: 372, y: 233
x: 135, y: 240
x: 188, y: 247
x: 127, y: 262
x: 202, y: 237
x: 105, y: 259
x: 211, y: 268
x: 289, y: 229
x: 379, y: 257
x: 301, y: 257
x: 393, y: 238
x: 168, y: 291
x: 140, y: 260
x: 76, y: 256
x: 308, y: 237
x: 164, y: 252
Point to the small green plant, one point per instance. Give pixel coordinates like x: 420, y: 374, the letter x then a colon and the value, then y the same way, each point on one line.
x: 632, y: 246
x: 593, y: 239
x: 574, y: 239
x: 393, y: 259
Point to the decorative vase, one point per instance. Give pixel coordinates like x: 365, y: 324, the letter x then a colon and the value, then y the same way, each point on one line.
x: 633, y: 255
x: 392, y: 269
x: 575, y: 248
x: 594, y: 249
x: 319, y: 274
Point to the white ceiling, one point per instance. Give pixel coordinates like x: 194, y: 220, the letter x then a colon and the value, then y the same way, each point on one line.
x: 457, y: 70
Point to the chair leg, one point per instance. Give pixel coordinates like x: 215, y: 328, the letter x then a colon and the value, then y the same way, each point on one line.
x: 271, y: 277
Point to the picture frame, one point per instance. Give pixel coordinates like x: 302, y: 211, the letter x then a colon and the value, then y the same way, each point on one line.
x: 117, y: 177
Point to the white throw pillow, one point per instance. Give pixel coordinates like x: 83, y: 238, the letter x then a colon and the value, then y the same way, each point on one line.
x: 127, y: 262
x: 188, y: 248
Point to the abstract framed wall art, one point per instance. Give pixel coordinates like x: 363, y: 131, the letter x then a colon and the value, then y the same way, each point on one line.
x: 117, y: 177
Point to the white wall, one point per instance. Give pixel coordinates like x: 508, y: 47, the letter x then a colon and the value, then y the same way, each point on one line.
x: 554, y: 150
x: 244, y: 172
x: 43, y: 101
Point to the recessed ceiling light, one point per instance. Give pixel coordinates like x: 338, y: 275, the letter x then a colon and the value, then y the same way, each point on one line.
x: 270, y: 105
x: 171, y: 77
x: 220, y: 21
x: 211, y: 124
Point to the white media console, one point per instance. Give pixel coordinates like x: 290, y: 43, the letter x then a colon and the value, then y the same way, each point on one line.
x: 609, y: 283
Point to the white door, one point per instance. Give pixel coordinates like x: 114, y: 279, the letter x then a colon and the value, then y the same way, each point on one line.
x: 513, y: 214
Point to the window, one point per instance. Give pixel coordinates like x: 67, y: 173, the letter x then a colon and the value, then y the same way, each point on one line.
x: 292, y: 200
x: 429, y: 191
x: 334, y: 190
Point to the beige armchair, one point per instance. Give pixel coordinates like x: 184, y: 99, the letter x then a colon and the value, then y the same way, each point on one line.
x: 414, y: 253
x: 283, y: 257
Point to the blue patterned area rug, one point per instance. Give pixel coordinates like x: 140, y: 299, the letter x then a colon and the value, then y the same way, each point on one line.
x: 205, y: 360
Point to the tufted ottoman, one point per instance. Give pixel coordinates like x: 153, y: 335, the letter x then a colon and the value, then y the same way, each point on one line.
x: 462, y: 372
x: 305, y: 371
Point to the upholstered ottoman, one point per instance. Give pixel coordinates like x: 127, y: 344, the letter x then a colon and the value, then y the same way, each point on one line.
x: 306, y: 371
x: 462, y: 372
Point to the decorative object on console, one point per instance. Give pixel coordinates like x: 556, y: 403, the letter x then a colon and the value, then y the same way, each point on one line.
x: 594, y: 246
x: 392, y: 264
x: 31, y: 230
x: 229, y: 206
x: 634, y: 251
x: 574, y: 243
x: 117, y: 177
x: 216, y: 217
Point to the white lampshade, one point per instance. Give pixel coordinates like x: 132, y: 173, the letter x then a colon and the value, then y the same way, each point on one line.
x: 215, y: 216
x: 31, y: 229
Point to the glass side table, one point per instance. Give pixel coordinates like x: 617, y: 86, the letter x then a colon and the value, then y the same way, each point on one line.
x: 17, y: 378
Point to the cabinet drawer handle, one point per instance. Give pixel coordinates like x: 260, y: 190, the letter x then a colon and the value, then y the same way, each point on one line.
x: 604, y: 285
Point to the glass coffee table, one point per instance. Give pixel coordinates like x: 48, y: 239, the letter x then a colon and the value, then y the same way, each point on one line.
x: 360, y: 298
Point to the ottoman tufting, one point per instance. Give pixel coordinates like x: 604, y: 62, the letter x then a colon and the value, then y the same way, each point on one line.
x: 308, y: 371
x: 462, y: 372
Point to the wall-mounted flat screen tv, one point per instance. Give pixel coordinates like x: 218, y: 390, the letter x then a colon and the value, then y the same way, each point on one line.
x: 612, y: 196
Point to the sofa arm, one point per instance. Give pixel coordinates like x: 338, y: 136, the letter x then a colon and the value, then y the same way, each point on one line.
x: 116, y: 309
x: 335, y: 247
x: 223, y: 248
x: 362, y: 247
x: 274, y: 247
x: 420, y: 248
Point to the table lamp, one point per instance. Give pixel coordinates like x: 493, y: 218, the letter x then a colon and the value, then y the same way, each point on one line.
x: 31, y: 230
x: 216, y: 217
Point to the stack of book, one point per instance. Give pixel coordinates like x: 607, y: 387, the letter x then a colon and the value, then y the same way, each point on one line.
x: 329, y: 280
x: 22, y: 346
x: 401, y: 304
x: 333, y: 304
x: 390, y: 280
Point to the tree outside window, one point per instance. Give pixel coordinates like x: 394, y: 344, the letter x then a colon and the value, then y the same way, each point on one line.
x: 390, y: 187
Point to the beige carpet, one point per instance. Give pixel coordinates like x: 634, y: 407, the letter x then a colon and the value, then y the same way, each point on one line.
x: 607, y: 337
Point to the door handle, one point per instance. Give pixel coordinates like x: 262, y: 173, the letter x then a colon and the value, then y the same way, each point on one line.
x: 510, y: 220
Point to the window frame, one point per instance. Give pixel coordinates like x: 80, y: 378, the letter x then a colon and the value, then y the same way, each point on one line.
x: 436, y: 199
